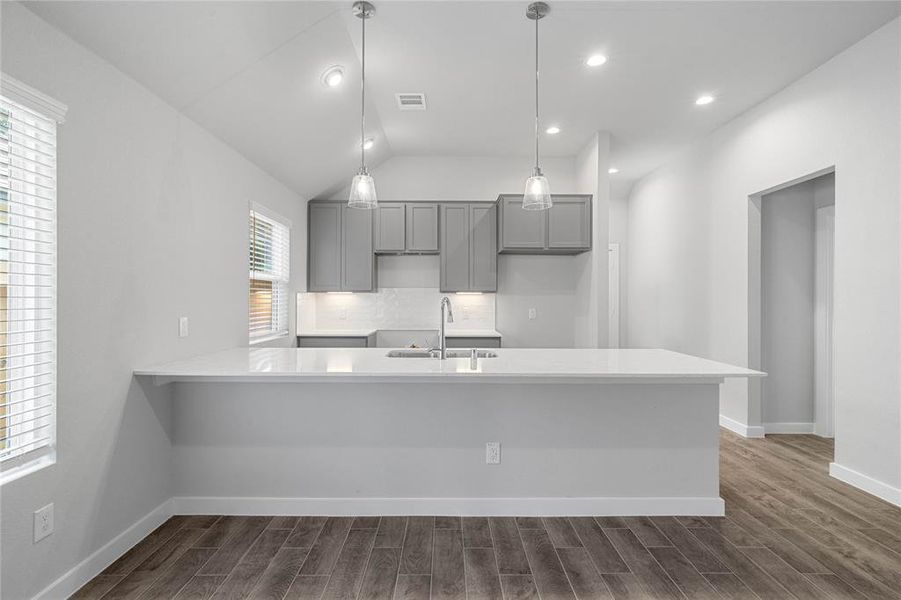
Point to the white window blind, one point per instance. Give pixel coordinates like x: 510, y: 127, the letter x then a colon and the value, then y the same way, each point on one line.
x: 269, y: 273
x: 27, y: 284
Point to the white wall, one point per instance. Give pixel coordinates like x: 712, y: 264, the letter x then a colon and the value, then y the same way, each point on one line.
x: 787, y: 286
x: 688, y: 232
x: 546, y: 283
x: 591, y: 317
x: 152, y: 225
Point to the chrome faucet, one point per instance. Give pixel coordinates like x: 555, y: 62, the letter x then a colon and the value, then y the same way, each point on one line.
x: 442, y: 341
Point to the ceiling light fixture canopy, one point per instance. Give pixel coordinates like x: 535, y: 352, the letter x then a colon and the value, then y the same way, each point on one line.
x: 362, y: 188
x: 537, y: 195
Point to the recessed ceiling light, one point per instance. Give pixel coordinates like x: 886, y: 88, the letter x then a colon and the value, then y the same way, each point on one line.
x: 368, y: 143
x: 705, y: 99
x: 596, y: 60
x: 613, y: 170
x: 553, y: 130
x: 333, y: 76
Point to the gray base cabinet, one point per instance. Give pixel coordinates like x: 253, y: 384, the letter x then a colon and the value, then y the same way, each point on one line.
x: 406, y: 227
x: 336, y: 341
x: 468, y: 261
x: 340, y: 254
x: 473, y: 342
x: 563, y: 229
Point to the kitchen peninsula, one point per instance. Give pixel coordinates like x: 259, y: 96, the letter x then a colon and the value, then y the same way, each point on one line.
x: 353, y: 431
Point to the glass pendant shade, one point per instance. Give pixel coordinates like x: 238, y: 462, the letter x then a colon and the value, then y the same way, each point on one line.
x: 362, y: 191
x: 538, y: 192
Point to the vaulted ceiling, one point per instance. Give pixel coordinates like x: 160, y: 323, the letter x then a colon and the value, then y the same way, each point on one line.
x: 250, y: 72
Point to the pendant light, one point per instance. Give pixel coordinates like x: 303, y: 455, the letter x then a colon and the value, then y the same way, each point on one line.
x: 538, y: 192
x: 362, y: 188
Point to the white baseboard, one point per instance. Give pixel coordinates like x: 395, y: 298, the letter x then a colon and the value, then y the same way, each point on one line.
x: 479, y: 507
x: 789, y: 427
x: 83, y: 572
x: 748, y: 431
x: 866, y: 483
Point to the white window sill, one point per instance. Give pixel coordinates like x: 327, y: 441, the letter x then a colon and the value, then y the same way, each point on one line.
x: 268, y: 338
x: 10, y: 474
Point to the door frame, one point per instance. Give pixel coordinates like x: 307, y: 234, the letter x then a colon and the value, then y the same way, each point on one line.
x: 755, y: 298
x: 824, y: 382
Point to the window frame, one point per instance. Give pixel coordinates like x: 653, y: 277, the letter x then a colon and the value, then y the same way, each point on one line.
x: 284, y: 329
x: 45, y: 454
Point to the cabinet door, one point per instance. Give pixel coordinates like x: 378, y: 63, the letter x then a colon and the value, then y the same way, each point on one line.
x: 569, y: 222
x: 389, y: 227
x: 358, y: 260
x: 520, y: 228
x: 454, y: 260
x: 324, y: 250
x: 483, y: 248
x: 422, y: 228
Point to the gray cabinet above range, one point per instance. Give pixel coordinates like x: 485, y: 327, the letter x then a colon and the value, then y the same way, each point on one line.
x: 406, y: 227
x: 468, y: 260
x: 563, y: 229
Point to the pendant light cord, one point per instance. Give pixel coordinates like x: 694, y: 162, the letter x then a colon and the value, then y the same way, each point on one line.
x: 363, y: 101
x: 536, y: 95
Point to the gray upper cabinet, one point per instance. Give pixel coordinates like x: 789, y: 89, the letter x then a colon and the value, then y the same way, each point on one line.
x: 564, y: 229
x: 358, y: 260
x: 569, y: 223
x: 410, y: 227
x: 483, y: 248
x: 521, y: 229
x: 468, y: 261
x: 324, y: 254
x: 390, y: 227
x: 340, y: 252
x: 422, y: 227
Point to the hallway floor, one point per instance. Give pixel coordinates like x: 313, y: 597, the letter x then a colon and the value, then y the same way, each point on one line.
x: 790, y: 531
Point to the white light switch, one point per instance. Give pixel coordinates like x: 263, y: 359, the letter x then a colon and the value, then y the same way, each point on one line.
x: 533, y: 314
x: 43, y: 522
x: 182, y: 326
x: 493, y: 453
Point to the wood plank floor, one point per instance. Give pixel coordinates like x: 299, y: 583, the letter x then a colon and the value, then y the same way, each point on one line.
x: 790, y: 531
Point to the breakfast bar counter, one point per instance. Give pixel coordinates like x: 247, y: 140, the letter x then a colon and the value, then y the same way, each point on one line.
x: 354, y: 431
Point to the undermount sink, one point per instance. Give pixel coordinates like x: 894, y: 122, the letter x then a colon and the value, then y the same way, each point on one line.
x: 423, y: 353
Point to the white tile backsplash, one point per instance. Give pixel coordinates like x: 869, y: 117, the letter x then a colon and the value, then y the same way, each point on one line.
x: 392, y: 308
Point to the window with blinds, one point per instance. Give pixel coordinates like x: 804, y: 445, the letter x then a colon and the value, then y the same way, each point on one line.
x: 269, y: 273
x: 27, y: 284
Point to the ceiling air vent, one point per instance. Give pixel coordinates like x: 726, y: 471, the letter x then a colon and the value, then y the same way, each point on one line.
x: 414, y: 101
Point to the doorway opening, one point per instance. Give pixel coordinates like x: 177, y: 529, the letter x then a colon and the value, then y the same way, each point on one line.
x: 791, y: 246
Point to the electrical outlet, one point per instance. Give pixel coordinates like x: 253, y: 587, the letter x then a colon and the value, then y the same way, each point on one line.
x: 533, y: 314
x: 182, y: 326
x: 493, y: 453
x: 342, y: 314
x: 43, y: 522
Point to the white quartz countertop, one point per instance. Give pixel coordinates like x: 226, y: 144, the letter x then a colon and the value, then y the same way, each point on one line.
x: 511, y: 365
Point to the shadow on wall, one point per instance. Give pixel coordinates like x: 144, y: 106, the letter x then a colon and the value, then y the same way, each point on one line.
x: 144, y: 432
